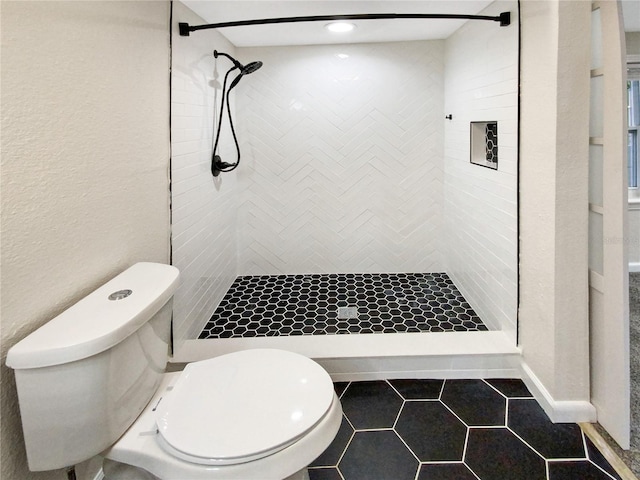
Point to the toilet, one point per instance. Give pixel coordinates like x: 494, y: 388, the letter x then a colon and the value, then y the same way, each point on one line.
x: 92, y: 381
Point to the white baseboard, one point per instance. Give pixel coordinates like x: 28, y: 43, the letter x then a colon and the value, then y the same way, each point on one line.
x: 634, y: 266
x: 559, y: 411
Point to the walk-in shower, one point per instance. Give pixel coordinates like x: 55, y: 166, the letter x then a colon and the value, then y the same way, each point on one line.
x: 357, y: 230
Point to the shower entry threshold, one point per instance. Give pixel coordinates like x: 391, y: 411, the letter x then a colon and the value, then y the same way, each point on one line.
x: 487, y: 354
x: 337, y: 304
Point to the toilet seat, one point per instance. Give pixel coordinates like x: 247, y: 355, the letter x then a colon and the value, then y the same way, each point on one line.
x: 271, y: 399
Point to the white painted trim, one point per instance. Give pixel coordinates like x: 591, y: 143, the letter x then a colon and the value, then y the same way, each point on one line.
x: 596, y: 281
x: 447, y: 367
x: 99, y: 475
x: 559, y: 411
x: 634, y: 267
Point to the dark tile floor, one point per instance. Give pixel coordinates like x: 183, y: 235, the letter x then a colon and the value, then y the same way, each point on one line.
x: 453, y: 430
x: 278, y: 305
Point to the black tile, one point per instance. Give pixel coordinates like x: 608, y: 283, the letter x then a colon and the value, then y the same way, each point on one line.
x: 596, y: 457
x: 378, y: 455
x: 582, y: 470
x: 552, y: 440
x: 340, y: 387
x: 511, y: 387
x: 475, y: 402
x: 497, y: 454
x: 324, y: 474
x: 391, y: 303
x: 371, y: 404
x: 431, y: 431
x: 330, y: 457
x: 446, y: 471
x: 418, y: 389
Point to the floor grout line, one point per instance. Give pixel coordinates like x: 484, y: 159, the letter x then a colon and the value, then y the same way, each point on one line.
x: 403, y: 446
x: 607, y: 452
x: 286, y: 300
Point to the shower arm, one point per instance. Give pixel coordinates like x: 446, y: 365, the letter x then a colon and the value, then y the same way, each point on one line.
x: 504, y: 18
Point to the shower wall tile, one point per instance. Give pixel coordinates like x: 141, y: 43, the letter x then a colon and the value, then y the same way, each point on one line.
x: 203, y: 210
x: 480, y: 208
x: 342, y: 159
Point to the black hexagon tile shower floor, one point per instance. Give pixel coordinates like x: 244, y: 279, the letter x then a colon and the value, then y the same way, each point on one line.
x: 453, y: 430
x: 323, y: 304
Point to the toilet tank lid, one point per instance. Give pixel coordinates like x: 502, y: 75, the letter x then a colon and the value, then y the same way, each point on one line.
x: 97, y: 323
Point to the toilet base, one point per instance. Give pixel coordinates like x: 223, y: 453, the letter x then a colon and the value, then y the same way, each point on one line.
x: 301, y: 475
x: 119, y: 471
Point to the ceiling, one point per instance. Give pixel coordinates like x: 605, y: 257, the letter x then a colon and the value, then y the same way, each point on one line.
x: 312, y: 33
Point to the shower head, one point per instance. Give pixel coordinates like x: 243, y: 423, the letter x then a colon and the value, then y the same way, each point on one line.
x: 250, y: 67
x: 244, y: 70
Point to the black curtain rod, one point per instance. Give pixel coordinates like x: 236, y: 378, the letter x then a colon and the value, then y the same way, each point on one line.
x: 185, y: 29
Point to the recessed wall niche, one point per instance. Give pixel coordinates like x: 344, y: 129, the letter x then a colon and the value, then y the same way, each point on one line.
x: 484, y: 144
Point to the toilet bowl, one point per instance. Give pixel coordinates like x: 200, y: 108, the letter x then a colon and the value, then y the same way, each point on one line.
x: 254, y: 414
x: 91, y: 381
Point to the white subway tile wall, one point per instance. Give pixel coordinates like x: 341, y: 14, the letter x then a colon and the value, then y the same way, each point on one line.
x: 203, y: 210
x: 343, y: 159
x: 480, y: 204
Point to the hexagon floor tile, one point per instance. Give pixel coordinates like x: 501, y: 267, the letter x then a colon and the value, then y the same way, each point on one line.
x: 324, y: 304
x: 421, y: 430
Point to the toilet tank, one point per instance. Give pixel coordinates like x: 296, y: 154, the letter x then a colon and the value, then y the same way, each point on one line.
x: 85, y: 376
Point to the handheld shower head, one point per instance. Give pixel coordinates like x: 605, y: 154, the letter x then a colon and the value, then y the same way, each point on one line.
x: 250, y: 67
x: 246, y: 70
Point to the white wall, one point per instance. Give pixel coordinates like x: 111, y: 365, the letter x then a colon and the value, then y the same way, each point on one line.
x: 85, y: 156
x: 203, y: 208
x: 342, y: 168
x: 554, y: 132
x: 481, y: 212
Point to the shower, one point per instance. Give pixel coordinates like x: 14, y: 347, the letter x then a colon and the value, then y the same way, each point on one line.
x: 217, y: 165
x: 358, y: 223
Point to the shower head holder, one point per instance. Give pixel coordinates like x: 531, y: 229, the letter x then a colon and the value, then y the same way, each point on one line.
x: 217, y: 166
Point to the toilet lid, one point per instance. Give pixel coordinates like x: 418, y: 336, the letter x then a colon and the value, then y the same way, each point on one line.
x: 243, y: 406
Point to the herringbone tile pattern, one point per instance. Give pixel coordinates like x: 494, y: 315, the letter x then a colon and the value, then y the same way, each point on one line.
x: 343, y: 152
x: 480, y: 204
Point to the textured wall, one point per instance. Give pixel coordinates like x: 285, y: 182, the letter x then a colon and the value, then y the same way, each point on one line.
x: 481, y: 213
x: 85, y: 154
x: 553, y: 320
x: 342, y: 168
x: 204, y: 208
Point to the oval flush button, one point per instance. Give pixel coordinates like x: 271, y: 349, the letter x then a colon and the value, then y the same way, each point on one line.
x: 120, y: 294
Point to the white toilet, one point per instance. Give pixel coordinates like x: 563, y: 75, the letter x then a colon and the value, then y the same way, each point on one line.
x: 92, y: 381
